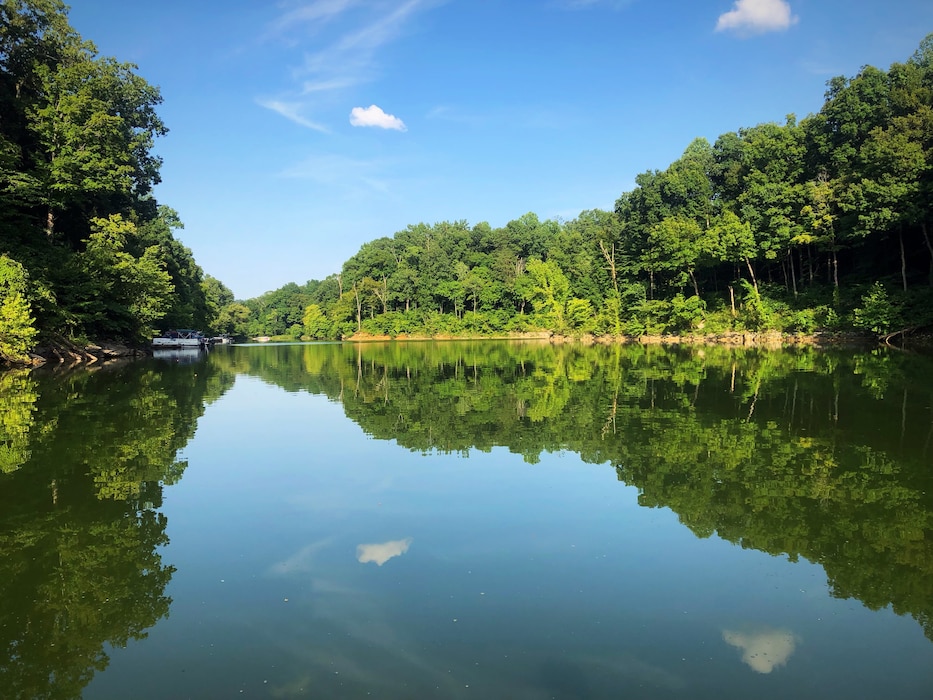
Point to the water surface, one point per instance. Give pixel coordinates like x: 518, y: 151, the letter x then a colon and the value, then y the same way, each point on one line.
x: 484, y: 520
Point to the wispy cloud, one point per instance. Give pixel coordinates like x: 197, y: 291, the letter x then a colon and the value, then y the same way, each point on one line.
x: 292, y: 112
x: 455, y: 115
x: 757, y: 17
x: 349, y: 176
x: 374, y: 116
x: 327, y: 69
x: 309, y: 14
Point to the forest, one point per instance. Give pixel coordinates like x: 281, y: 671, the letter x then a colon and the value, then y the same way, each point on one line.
x: 821, y: 224
x: 86, y: 251
x: 817, y: 224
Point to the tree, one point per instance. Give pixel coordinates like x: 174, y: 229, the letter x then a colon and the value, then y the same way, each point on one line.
x: 17, y: 326
x: 218, y: 296
x: 128, y: 294
x: 315, y: 323
x: 95, y: 124
x: 233, y: 319
x: 548, y: 290
x: 681, y: 245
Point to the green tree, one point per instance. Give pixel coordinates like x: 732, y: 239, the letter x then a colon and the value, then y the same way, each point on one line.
x: 17, y: 325
x: 128, y: 294
x: 548, y: 290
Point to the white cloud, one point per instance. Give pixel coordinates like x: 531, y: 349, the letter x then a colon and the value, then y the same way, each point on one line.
x: 381, y: 553
x: 757, y: 16
x: 292, y: 112
x: 374, y: 116
x: 765, y: 650
x: 343, y: 57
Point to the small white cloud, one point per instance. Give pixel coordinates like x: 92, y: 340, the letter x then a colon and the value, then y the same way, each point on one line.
x: 374, y: 116
x: 757, y: 16
x: 765, y: 650
x: 381, y: 553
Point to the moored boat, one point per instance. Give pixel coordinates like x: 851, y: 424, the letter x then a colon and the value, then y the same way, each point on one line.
x: 181, y: 338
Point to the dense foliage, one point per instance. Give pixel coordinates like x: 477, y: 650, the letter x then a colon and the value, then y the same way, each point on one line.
x: 823, y: 223
x: 84, y: 459
x: 85, y: 249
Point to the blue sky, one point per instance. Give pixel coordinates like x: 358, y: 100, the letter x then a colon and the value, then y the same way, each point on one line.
x: 301, y: 129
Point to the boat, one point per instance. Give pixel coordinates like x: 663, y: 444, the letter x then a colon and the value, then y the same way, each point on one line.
x: 221, y: 340
x: 181, y: 338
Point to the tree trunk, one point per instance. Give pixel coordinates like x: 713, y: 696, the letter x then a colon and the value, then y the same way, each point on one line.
x: 926, y: 239
x: 732, y: 299
x: 900, y: 238
x: 752, y: 273
x: 793, y: 274
x: 696, y: 289
x: 611, y: 260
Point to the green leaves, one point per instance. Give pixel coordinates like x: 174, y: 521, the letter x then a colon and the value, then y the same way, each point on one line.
x: 17, y: 326
x: 125, y: 288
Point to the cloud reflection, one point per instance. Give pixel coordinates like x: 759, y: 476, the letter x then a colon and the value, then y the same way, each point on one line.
x: 300, y: 561
x: 765, y: 650
x: 381, y: 553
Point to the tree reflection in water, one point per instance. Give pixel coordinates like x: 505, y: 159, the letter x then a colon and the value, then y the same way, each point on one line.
x: 85, y: 458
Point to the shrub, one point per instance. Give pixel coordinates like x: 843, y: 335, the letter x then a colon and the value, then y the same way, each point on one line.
x: 878, y: 313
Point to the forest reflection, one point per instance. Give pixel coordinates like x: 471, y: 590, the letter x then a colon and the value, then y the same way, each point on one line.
x: 806, y: 453
x: 84, y: 458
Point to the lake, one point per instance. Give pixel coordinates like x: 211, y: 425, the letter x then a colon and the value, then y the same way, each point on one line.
x: 469, y: 520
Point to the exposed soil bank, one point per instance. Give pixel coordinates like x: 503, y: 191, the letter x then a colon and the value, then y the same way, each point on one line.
x: 67, y: 354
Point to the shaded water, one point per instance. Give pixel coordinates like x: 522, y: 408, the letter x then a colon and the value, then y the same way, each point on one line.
x: 484, y: 520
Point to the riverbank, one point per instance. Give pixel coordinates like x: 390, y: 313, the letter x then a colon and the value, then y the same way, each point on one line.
x: 67, y: 354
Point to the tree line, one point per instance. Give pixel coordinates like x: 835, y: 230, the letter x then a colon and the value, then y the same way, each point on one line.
x: 86, y: 251
x: 822, y: 223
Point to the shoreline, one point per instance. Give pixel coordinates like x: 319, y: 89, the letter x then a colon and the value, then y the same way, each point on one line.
x: 68, y: 355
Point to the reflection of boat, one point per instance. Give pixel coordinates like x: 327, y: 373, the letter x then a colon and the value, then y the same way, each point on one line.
x: 182, y: 356
x: 181, y: 338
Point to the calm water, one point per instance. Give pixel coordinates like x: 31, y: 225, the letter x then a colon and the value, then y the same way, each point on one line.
x: 469, y: 521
